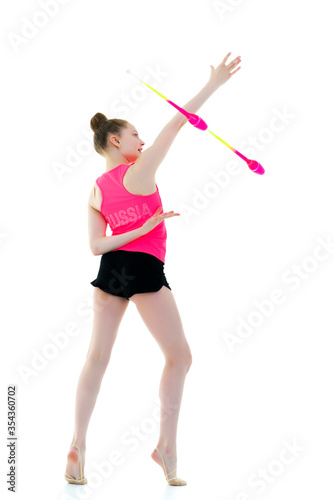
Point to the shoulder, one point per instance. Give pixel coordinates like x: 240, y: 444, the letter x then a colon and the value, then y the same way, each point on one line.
x: 95, y: 197
x: 141, y: 174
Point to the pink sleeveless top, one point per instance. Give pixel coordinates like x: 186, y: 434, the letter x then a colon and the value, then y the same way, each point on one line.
x: 125, y: 211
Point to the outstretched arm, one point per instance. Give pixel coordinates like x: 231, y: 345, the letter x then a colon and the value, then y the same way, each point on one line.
x: 148, y: 162
x: 217, y: 78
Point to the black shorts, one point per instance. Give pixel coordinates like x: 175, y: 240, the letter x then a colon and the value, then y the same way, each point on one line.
x: 124, y: 273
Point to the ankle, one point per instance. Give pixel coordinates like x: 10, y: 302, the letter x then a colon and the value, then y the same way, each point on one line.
x: 167, y: 449
x: 80, y: 445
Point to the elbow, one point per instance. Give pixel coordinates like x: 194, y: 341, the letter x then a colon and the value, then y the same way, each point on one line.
x: 94, y: 248
x: 96, y: 251
x: 179, y: 120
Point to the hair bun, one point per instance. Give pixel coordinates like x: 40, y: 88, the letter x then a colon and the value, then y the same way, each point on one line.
x: 97, y: 120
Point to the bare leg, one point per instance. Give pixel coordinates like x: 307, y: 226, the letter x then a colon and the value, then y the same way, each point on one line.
x: 108, y: 313
x: 170, y: 393
x: 161, y: 316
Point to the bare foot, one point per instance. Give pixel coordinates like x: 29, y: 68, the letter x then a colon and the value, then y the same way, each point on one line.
x: 73, y: 461
x: 170, y: 461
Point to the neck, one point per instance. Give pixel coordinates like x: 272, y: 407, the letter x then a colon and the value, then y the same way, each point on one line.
x: 114, y: 162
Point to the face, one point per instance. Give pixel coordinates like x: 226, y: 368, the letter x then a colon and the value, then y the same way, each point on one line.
x: 131, y: 143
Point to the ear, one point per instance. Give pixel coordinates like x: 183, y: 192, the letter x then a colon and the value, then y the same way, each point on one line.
x: 114, y: 140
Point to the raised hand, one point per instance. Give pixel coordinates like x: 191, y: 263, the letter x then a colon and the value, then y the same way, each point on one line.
x: 223, y: 71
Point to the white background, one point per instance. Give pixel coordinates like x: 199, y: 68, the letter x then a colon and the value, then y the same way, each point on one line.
x: 240, y: 405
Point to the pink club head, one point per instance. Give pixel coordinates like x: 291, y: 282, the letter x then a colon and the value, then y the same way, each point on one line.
x: 196, y: 121
x: 255, y: 167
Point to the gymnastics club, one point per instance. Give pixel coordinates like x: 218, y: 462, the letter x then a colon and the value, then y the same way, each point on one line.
x: 198, y: 122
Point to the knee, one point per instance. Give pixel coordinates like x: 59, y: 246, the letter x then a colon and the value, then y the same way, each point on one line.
x: 183, y: 360
x: 189, y: 361
x: 98, y: 360
x: 187, y: 358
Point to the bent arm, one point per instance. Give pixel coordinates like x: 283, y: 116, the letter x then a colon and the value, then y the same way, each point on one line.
x: 109, y: 243
x: 98, y: 242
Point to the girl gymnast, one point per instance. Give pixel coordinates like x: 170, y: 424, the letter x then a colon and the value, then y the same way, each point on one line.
x: 131, y: 268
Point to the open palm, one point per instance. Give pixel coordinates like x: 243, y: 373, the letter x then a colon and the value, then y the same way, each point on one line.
x: 223, y: 71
